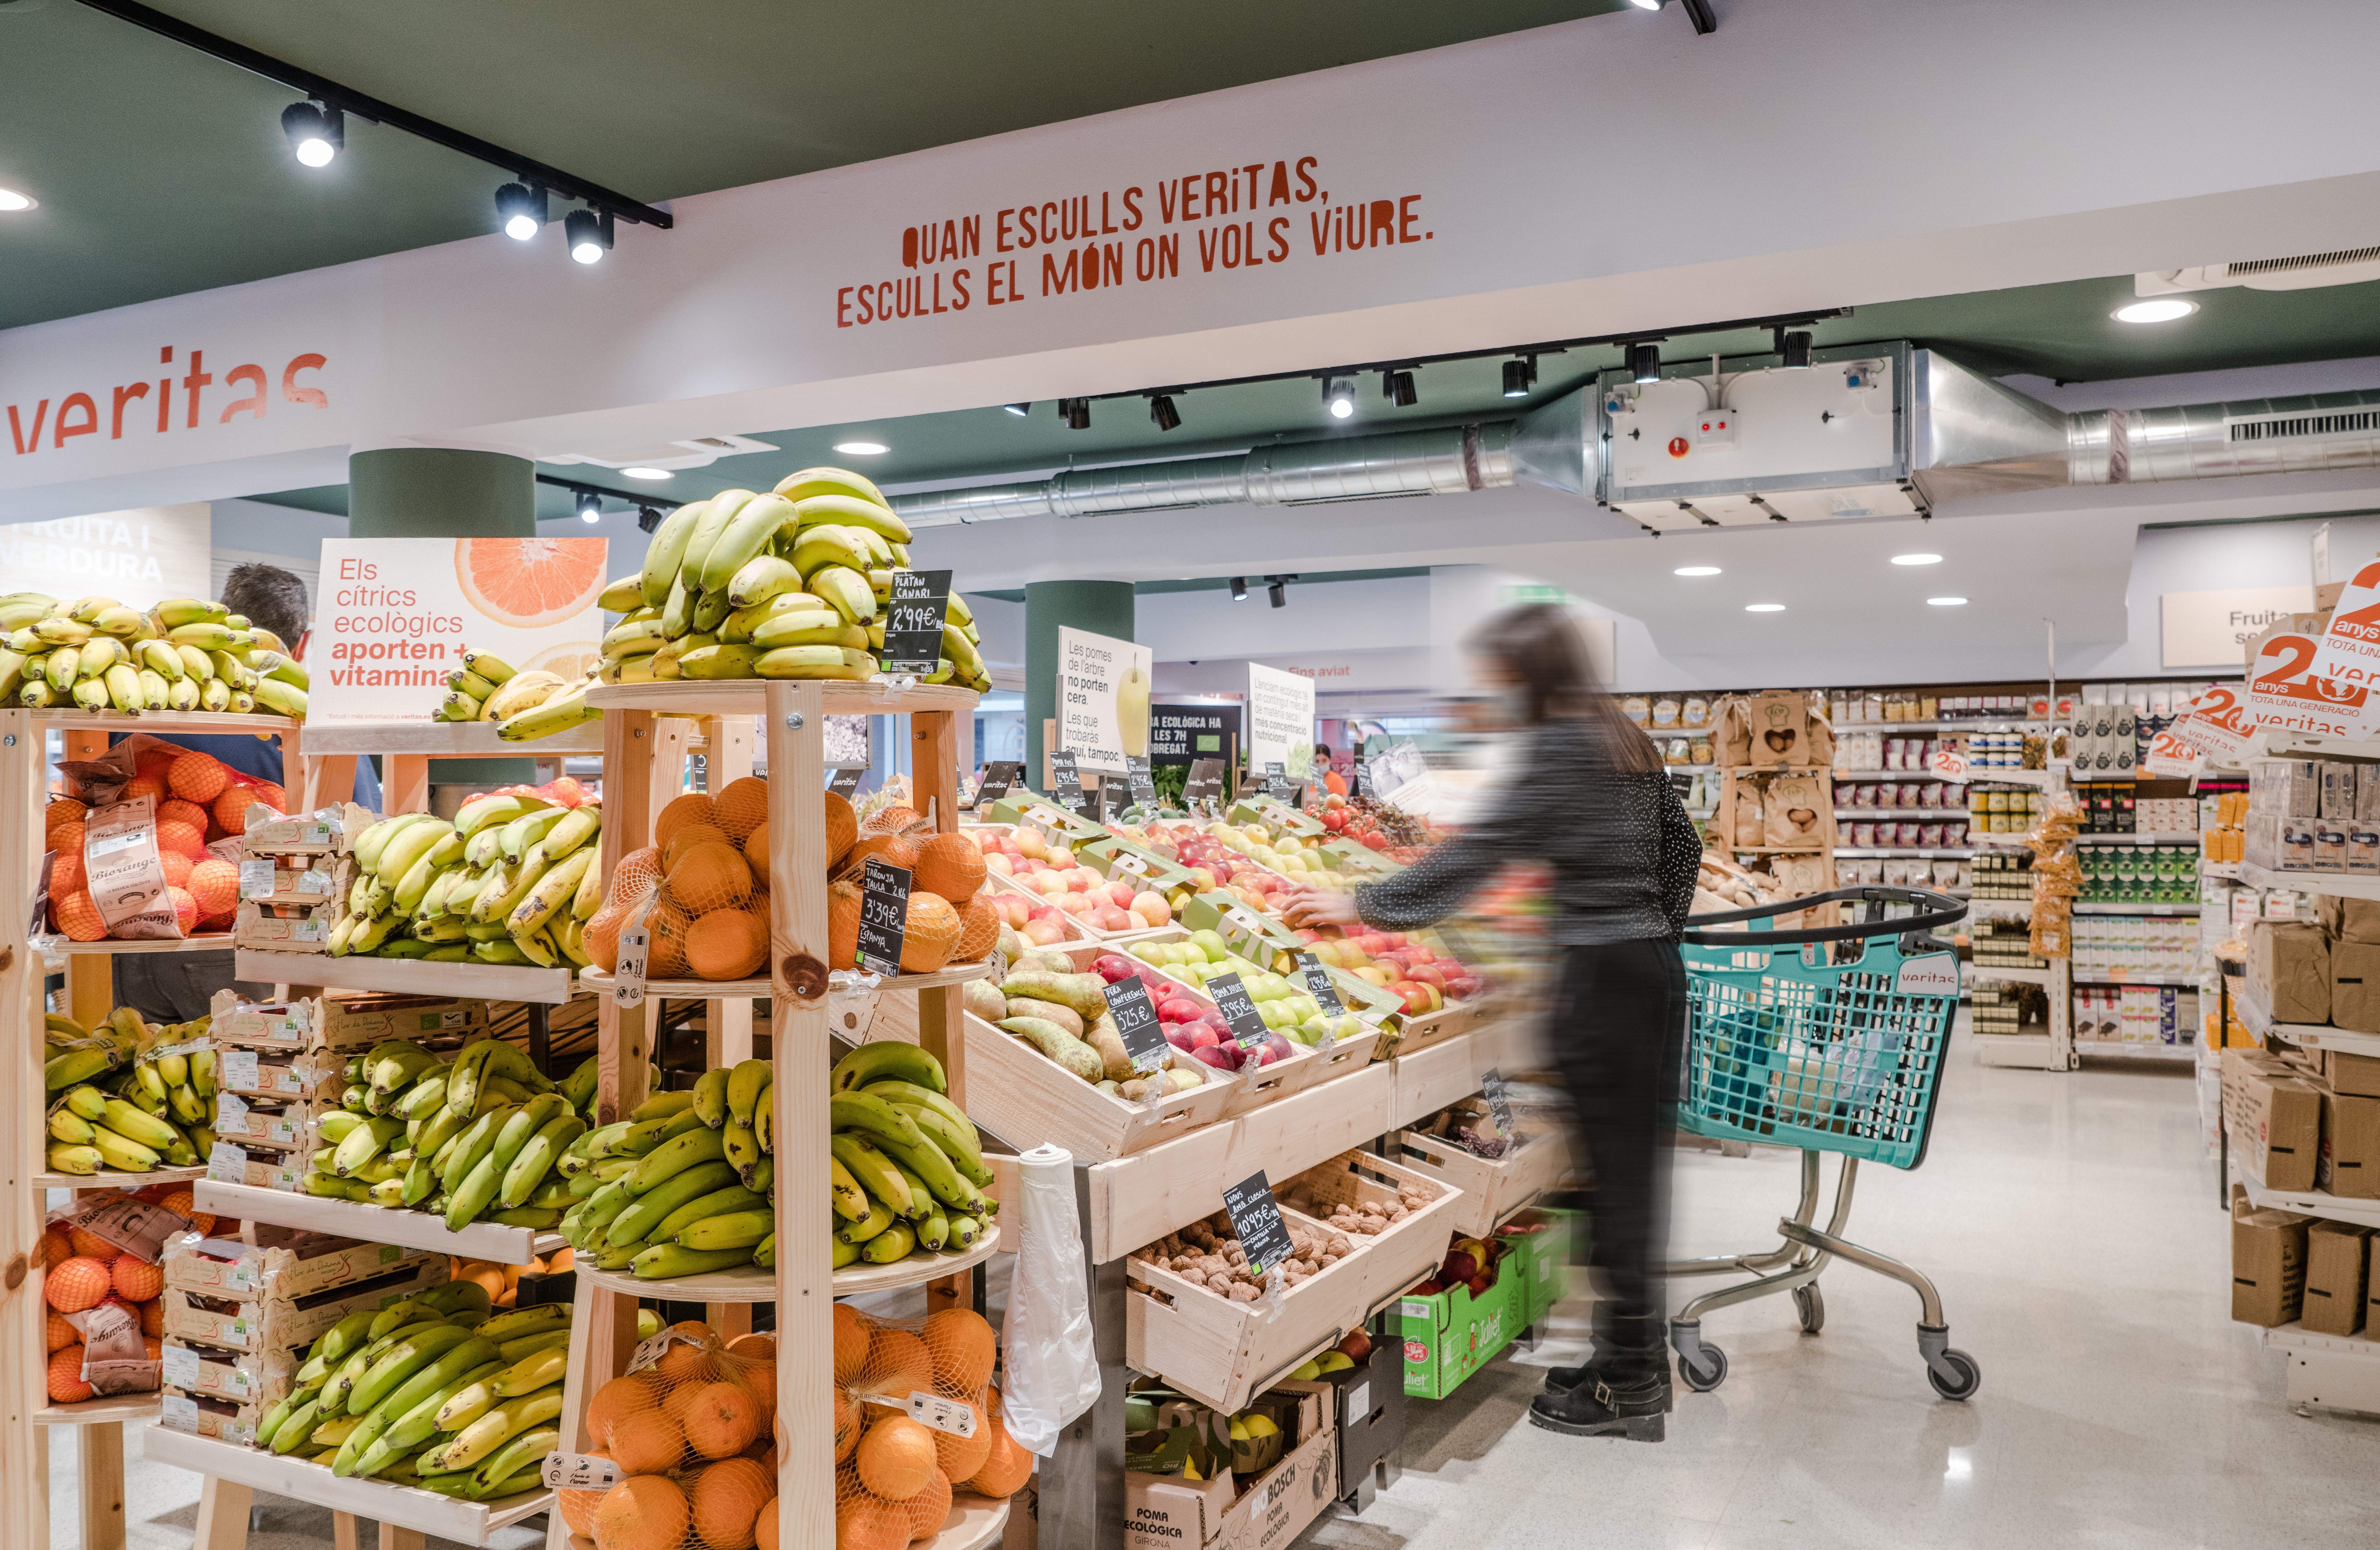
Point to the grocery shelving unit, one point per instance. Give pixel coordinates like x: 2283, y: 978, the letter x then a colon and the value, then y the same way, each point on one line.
x: 638, y: 724
x: 89, y: 997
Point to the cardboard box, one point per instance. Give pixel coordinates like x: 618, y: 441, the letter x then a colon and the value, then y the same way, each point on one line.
x: 1368, y: 1404
x: 2269, y: 1253
x: 2288, y: 969
x: 2273, y: 1118
x: 283, y: 1264
x: 1265, y: 1513
x: 2349, y: 1163
x: 2337, y: 1257
x: 271, y: 1323
x: 2356, y: 1074
x: 1549, y: 1255
x: 210, y: 1417
x: 2350, y: 920
x: 1450, y: 1335
x: 2372, y: 1282
x: 2355, y: 986
x: 238, y: 1378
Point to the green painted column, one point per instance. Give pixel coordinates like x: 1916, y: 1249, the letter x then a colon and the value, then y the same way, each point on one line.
x: 438, y: 492
x: 1102, y: 608
x: 443, y: 492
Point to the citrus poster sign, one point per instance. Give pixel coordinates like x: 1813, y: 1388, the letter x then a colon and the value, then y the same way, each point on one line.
x: 394, y: 615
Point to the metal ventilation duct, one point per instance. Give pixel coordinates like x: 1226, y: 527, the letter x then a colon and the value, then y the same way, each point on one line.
x: 2223, y: 441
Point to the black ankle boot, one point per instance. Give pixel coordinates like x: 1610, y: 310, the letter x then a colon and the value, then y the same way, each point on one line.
x: 1596, y: 1407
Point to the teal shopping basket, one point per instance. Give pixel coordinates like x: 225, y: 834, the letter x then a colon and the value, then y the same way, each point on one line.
x: 1828, y: 1038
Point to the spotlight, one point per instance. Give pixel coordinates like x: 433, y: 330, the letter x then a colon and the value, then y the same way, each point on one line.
x: 648, y: 518
x: 1948, y: 602
x: 1644, y: 363
x: 1397, y: 387
x: 591, y: 507
x: 1917, y: 559
x: 588, y: 235
x: 646, y: 473
x: 1239, y: 589
x: 1646, y: 4
x: 2163, y: 310
x: 521, y: 209
x: 861, y: 448
x: 1695, y: 570
x: 1764, y: 608
x: 1278, y: 593
x: 317, y: 132
x: 1794, y: 351
x: 1019, y: 411
x: 1340, y: 394
x: 1075, y: 412
x: 1161, y: 410
x: 1519, y: 375
x: 12, y: 201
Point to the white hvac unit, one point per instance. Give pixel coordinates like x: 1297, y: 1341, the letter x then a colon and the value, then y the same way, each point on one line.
x: 2347, y: 266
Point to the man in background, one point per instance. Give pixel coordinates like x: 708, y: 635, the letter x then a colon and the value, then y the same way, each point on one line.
x: 176, y: 987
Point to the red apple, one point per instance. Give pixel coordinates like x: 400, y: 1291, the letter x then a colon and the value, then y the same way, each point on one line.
x: 1112, y: 966
x: 1357, y: 1347
x: 1217, y: 1056
x: 1416, y: 997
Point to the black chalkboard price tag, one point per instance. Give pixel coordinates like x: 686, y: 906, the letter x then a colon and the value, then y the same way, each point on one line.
x: 1204, y: 782
x: 1318, y: 985
x: 998, y: 776
x: 883, y: 916
x: 1136, y: 1025
x: 844, y: 781
x: 1135, y: 776
x: 1257, y: 1223
x: 1068, y: 778
x: 1491, y: 1087
x: 1231, y: 998
x: 913, y: 621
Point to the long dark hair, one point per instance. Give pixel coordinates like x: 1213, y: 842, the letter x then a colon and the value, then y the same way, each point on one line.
x: 1538, y: 645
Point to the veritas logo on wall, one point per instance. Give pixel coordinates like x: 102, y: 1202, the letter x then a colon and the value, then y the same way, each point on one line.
x: 149, y: 407
x: 1270, y: 210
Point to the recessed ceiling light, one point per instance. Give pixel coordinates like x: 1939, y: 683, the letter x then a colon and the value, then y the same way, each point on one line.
x: 1764, y: 608
x: 1917, y: 559
x: 2165, y: 309
x: 861, y: 448
x: 1695, y: 570
x: 1948, y: 602
x: 11, y: 199
x: 647, y: 473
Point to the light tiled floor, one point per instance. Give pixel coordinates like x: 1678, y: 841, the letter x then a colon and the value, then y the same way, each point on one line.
x: 2071, y: 1225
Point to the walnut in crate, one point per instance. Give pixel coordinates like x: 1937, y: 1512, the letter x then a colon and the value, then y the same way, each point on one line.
x: 1216, y: 1262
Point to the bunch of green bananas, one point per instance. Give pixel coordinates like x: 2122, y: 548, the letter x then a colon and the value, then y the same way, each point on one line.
x: 117, y: 1104
x: 688, y: 1184
x: 511, y: 880
x: 474, y: 1139
x: 184, y: 654
x: 437, y: 1391
x: 785, y: 585
x: 523, y: 705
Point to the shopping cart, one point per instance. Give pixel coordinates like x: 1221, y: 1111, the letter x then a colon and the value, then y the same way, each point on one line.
x: 1828, y: 1039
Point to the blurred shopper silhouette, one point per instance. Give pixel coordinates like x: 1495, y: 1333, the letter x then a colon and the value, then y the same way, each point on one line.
x: 1588, y: 797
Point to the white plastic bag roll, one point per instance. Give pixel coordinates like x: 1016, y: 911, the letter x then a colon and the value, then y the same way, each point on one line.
x: 1050, y: 1367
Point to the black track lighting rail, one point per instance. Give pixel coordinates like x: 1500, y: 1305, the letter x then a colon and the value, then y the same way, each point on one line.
x: 528, y: 169
x: 646, y: 506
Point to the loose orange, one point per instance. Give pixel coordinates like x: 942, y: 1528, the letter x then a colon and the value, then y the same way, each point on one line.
x: 530, y: 582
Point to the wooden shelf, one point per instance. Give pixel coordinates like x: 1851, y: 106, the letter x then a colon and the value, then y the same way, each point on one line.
x: 213, y: 942
x: 596, y: 982
x: 161, y: 722
x: 112, y: 1410
x: 105, y: 1179
x: 408, y: 976
x: 371, y: 1223
x: 443, y: 739
x: 749, y: 1283
x: 750, y: 697
x: 405, y: 1507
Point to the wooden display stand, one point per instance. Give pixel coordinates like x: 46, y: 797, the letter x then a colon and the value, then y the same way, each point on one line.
x: 603, y: 1332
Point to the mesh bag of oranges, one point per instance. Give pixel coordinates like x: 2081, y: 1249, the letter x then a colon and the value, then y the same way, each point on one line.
x: 683, y: 1450
x: 916, y: 1425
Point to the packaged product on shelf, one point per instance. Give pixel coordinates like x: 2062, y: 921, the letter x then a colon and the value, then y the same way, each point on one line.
x: 2274, y: 1117
x: 1190, y: 1481
x: 2289, y: 970
x: 2349, y: 1165
x: 269, y: 1319
x: 2269, y: 1264
x: 2337, y: 1261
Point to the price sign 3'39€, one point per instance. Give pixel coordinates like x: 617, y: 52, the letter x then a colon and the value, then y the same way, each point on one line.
x: 1231, y: 997
x: 883, y: 916
x: 913, y: 621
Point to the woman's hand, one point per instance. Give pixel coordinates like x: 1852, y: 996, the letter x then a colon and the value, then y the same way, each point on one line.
x: 1318, y: 906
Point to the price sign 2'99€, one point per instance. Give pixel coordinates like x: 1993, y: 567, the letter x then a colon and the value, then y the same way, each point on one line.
x: 883, y: 916
x: 913, y: 621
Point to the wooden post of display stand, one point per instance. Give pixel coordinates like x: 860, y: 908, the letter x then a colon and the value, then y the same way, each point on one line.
x: 604, y: 1322
x: 24, y: 1512
x: 727, y: 1021
x: 797, y: 935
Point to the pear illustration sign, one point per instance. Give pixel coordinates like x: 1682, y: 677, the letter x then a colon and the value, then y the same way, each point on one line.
x: 1103, y: 700
x: 393, y: 615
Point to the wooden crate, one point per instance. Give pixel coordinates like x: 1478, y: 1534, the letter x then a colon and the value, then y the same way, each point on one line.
x: 1221, y: 1352
x: 1306, y: 1067
x: 1492, y: 1190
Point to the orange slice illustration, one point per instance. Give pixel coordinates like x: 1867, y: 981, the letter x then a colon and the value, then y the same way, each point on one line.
x: 527, y: 583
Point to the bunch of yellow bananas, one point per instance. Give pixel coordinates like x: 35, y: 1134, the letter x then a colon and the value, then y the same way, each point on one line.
x: 438, y: 1391
x: 524, y: 705
x: 790, y: 584
x: 125, y: 1096
x: 511, y: 880
x: 183, y: 655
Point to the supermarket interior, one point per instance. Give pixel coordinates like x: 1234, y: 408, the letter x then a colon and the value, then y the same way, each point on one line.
x: 1570, y: 772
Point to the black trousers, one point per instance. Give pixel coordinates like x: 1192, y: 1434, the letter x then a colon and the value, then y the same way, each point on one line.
x: 1617, y: 1036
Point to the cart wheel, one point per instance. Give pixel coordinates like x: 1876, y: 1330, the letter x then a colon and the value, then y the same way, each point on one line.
x: 1811, y: 1304
x: 1706, y: 1379
x: 1970, y: 1377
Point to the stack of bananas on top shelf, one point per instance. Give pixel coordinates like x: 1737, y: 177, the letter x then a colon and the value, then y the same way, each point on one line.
x: 437, y: 1391
x: 511, y: 879
x: 686, y: 1184
x: 523, y: 705
x: 117, y: 1104
x: 474, y: 1139
x: 183, y: 655
x: 786, y: 585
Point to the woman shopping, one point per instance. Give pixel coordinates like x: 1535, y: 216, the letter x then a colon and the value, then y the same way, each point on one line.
x: 1584, y: 795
